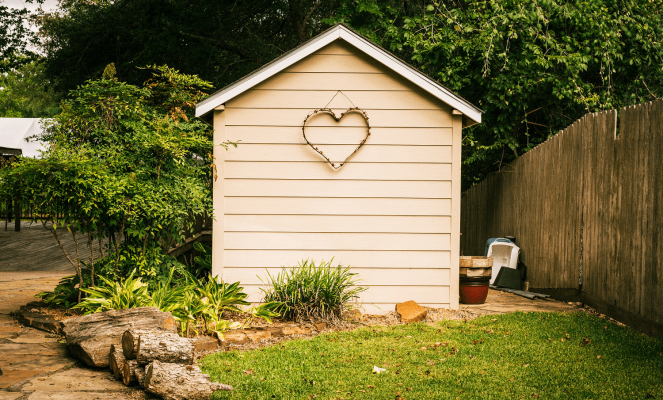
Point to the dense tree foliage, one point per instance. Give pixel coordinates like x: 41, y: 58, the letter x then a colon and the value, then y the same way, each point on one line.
x: 220, y: 41
x: 15, y: 37
x: 533, y: 66
x: 25, y: 92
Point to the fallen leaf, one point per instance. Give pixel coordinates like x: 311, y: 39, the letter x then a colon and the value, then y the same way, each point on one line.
x: 483, y: 372
x: 248, y: 372
x: 494, y: 319
x: 598, y: 356
x: 512, y: 379
x: 423, y: 348
x: 526, y: 365
x: 535, y: 395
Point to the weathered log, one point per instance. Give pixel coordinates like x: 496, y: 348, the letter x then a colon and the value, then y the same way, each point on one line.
x: 116, y: 361
x: 147, y: 346
x: 90, y: 337
x: 140, y: 375
x: 179, y: 382
x: 129, y: 372
x: 131, y: 342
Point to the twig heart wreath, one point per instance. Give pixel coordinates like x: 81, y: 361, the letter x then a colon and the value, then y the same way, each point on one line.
x: 327, y: 110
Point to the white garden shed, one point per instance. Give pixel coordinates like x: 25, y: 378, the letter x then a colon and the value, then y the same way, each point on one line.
x: 299, y: 185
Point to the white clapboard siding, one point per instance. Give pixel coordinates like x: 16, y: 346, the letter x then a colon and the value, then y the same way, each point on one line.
x: 336, y: 241
x: 333, y: 81
x: 367, y: 100
x: 337, y: 63
x: 337, y: 188
x: 368, y: 153
x: 318, y: 170
x: 365, y: 276
x: 336, y: 206
x: 381, y: 294
x: 339, y: 135
x: 336, y: 223
x: 376, y: 118
x: 358, y: 258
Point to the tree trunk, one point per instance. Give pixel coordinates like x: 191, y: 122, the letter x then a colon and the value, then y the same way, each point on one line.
x: 116, y: 361
x: 89, y: 338
x: 129, y: 372
x: 179, y: 382
x: 147, y: 346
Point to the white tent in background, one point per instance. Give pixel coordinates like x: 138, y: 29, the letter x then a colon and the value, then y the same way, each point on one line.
x: 13, y: 135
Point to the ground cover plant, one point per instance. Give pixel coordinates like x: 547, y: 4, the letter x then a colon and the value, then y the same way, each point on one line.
x: 511, y: 356
x: 313, y: 291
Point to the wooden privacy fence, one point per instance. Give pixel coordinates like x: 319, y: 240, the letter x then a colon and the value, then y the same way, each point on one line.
x: 586, y: 208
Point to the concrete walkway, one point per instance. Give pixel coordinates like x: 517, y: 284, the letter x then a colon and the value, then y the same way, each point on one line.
x: 34, y: 364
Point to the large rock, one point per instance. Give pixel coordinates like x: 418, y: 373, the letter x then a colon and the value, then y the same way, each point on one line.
x: 89, y: 338
x: 411, y: 312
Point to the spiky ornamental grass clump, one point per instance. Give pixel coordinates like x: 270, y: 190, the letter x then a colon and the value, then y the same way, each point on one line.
x: 309, y: 291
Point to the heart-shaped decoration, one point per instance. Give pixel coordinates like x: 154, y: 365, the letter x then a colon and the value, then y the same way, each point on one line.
x: 330, y: 112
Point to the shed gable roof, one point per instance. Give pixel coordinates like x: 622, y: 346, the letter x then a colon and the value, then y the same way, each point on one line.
x: 340, y: 31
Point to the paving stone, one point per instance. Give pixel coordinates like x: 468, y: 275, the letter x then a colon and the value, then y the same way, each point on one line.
x: 76, y: 380
x: 18, y: 349
x: 256, y: 336
x: 10, y: 395
x: 22, y: 340
x: 50, y: 363
x: 205, y: 343
x: 40, y: 321
x: 234, y: 338
x: 44, y: 395
x: 8, y: 378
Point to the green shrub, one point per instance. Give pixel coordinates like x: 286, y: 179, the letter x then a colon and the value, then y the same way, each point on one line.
x: 310, y: 291
x: 130, y: 293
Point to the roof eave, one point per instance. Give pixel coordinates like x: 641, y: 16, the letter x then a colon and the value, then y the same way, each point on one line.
x: 470, y: 112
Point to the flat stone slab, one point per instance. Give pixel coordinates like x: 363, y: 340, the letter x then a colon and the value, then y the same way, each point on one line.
x: 46, y: 349
x: 77, y: 380
x: 10, y: 395
x: 9, y: 378
x: 41, y: 395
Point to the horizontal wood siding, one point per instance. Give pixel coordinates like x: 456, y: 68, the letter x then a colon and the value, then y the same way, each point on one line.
x: 387, y: 212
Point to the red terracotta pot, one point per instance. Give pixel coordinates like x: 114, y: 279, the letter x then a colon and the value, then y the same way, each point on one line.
x: 473, y: 292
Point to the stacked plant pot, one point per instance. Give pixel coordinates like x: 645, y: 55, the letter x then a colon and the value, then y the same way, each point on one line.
x: 475, y: 273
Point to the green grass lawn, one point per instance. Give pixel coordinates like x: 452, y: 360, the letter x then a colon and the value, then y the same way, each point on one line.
x: 511, y: 356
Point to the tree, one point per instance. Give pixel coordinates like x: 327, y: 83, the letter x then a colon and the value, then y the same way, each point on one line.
x: 220, y: 41
x: 127, y: 168
x: 533, y: 66
x: 26, y: 93
x: 14, y: 39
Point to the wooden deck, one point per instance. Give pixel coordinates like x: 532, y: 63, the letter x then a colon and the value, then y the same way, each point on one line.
x: 35, y: 249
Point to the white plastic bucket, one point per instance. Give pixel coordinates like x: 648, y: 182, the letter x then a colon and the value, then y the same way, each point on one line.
x: 504, y: 255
